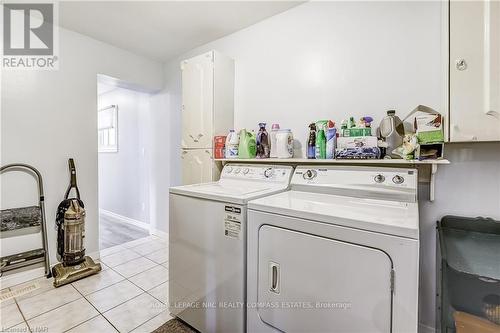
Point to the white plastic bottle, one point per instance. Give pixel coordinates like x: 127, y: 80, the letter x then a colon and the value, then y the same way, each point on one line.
x: 284, y: 144
x: 232, y: 143
x: 274, y: 131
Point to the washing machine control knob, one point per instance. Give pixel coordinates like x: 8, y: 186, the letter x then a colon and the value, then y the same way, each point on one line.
x: 229, y: 169
x: 245, y: 171
x: 379, y: 178
x: 398, y: 179
x: 269, y: 172
x: 237, y: 170
x: 310, y: 174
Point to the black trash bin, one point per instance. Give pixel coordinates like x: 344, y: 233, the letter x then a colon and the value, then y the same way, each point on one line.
x: 469, y: 269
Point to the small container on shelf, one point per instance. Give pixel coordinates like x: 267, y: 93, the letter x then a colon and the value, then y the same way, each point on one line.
x: 356, y: 131
x: 219, y: 145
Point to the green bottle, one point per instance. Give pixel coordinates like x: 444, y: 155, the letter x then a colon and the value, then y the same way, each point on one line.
x: 321, y: 139
x: 248, y: 145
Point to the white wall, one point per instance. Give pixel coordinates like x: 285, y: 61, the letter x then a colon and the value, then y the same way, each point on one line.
x: 333, y: 59
x: 49, y: 116
x: 124, y: 175
x: 161, y: 155
x: 329, y: 60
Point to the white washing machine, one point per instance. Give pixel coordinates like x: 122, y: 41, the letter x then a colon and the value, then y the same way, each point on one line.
x: 336, y: 253
x: 207, y: 245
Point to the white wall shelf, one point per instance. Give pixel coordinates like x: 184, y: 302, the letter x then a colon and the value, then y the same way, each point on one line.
x: 334, y: 161
x: 427, y: 168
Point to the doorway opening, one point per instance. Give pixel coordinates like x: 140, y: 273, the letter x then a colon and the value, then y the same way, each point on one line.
x: 123, y: 162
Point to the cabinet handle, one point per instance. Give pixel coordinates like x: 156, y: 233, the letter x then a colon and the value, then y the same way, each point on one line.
x: 274, y: 277
x: 492, y: 113
x: 461, y: 64
x: 196, y: 139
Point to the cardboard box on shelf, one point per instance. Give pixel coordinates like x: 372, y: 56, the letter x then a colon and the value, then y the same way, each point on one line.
x: 429, y: 128
x: 356, y: 141
x: 219, y: 144
x: 428, y: 124
x: 430, y: 151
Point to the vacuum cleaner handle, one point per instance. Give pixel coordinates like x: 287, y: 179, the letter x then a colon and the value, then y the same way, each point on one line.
x: 72, y: 183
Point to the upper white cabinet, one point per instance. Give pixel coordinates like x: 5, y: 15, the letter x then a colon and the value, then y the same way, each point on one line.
x: 197, y: 166
x: 207, y: 98
x: 474, y: 71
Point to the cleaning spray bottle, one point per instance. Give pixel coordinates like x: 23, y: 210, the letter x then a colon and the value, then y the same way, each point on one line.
x: 321, y: 139
x: 311, y: 141
x: 331, y: 138
x: 248, y: 146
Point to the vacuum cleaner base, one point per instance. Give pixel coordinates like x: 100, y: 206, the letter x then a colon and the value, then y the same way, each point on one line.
x: 67, y: 274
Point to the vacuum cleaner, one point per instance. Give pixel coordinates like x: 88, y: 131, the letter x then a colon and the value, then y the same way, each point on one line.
x: 70, y: 224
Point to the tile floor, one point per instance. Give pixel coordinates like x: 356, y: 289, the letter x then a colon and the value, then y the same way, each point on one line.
x: 130, y: 294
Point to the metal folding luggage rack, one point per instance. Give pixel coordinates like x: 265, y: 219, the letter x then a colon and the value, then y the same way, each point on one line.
x: 25, y: 220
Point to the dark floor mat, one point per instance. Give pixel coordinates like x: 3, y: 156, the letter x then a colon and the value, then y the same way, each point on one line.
x: 175, y: 326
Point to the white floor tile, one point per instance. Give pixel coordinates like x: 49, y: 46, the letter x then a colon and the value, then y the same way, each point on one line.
x: 64, y: 317
x: 134, y: 267
x: 103, y: 265
x: 151, y: 278
x: 10, y: 316
x: 160, y: 293
x: 97, y: 282
x: 111, y: 250
x: 36, y: 287
x: 95, y: 325
x: 114, y: 295
x: 137, y: 242
x: 149, y: 247
x: 154, y: 323
x: 119, y: 258
x: 21, y: 328
x: 159, y: 257
x: 134, y: 313
x: 47, y: 301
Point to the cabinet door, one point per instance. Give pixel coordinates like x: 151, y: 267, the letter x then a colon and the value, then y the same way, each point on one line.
x: 474, y: 71
x: 197, y: 101
x: 197, y: 166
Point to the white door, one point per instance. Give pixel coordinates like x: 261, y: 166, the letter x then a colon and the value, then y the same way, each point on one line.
x: 197, y: 166
x: 197, y: 101
x: 308, y: 283
x: 474, y: 71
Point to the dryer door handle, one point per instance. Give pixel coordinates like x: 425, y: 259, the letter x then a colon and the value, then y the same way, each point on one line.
x: 274, y: 277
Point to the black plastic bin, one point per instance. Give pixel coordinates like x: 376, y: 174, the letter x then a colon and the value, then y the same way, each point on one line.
x: 469, y: 272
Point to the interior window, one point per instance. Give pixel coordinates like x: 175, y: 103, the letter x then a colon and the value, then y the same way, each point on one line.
x: 107, y: 124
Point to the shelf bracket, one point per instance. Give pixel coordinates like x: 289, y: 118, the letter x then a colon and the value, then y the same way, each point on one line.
x: 432, y: 184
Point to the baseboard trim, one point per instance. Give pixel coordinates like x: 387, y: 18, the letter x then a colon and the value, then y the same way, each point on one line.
x: 425, y: 329
x: 123, y: 219
x: 28, y: 275
x: 159, y: 233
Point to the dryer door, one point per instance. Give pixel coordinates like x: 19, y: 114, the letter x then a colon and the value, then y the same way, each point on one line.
x: 314, y: 284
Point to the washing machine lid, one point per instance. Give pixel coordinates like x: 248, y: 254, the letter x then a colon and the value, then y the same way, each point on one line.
x: 234, y: 192
x: 240, y: 183
x: 383, y: 216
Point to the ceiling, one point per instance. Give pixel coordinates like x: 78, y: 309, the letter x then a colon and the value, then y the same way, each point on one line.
x: 161, y: 30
